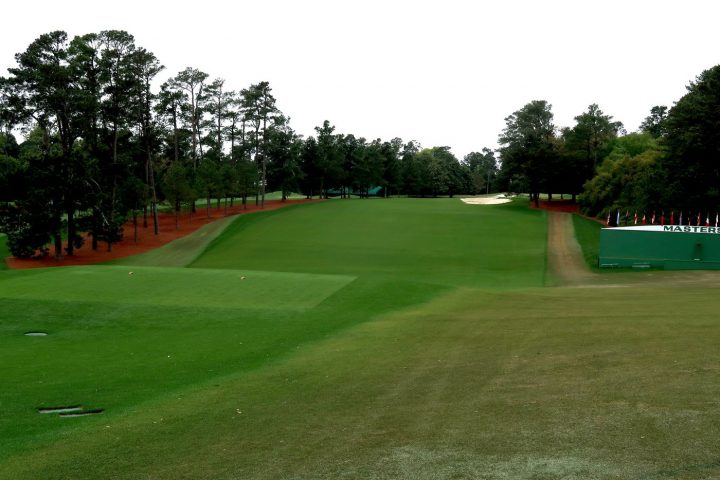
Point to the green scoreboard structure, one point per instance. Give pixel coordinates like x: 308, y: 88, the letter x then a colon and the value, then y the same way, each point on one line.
x: 671, y: 247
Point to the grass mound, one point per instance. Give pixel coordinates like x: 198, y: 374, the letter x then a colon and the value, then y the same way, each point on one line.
x: 175, y: 287
x: 587, y: 233
x: 439, y: 241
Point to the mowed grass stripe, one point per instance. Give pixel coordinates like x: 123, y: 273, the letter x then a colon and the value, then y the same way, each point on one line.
x: 587, y: 233
x: 180, y: 252
x: 175, y: 286
x: 441, y: 241
x: 119, y: 356
x: 556, y: 383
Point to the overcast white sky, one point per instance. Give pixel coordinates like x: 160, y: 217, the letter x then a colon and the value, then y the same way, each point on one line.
x: 440, y: 72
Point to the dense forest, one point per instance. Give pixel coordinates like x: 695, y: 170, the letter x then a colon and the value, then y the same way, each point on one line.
x: 669, y: 166
x: 101, y: 142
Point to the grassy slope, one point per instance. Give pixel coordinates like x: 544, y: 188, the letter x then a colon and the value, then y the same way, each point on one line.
x: 175, y: 287
x: 103, y: 322
x: 436, y: 240
x: 118, y: 353
x: 587, y: 233
x: 182, y: 251
x: 581, y: 385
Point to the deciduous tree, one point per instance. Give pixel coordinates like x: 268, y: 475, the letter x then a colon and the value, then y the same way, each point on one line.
x: 528, y: 146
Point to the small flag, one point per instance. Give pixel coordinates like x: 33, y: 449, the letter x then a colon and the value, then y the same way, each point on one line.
x: 680, y: 221
x: 672, y: 217
x: 652, y: 220
x: 716, y: 219
x: 707, y: 220
x: 617, y: 220
x: 698, y: 219
x: 608, y: 219
x: 627, y: 217
x: 662, y: 217
x: 636, y: 218
x: 643, y: 219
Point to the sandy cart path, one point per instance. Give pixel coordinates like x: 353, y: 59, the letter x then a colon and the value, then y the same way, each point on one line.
x: 566, y: 264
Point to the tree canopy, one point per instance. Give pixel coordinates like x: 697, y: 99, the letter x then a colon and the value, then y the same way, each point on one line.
x: 102, y: 145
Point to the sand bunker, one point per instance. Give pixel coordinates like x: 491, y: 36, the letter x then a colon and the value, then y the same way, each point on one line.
x: 486, y: 200
x: 60, y: 409
x: 71, y: 411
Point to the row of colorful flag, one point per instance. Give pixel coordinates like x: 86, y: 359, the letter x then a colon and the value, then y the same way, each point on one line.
x: 618, y: 219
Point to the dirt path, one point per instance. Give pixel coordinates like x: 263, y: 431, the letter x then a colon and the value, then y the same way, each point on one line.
x: 566, y: 264
x: 567, y: 268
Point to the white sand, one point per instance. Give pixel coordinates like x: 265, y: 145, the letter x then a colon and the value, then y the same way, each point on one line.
x: 485, y: 200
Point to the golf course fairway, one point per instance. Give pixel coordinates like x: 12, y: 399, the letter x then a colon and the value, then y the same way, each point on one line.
x: 360, y: 339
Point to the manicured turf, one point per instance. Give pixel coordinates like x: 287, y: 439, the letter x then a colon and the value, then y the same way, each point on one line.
x: 369, y: 361
x: 439, y: 241
x: 176, y: 287
x: 438, y: 391
x: 180, y: 252
x: 587, y: 233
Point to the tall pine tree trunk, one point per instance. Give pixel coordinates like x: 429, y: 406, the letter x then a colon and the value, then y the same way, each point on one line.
x: 71, y: 232
x: 156, y: 222
x: 95, y: 227
x: 264, y: 163
x: 57, y: 234
x: 114, y: 189
x: 177, y: 214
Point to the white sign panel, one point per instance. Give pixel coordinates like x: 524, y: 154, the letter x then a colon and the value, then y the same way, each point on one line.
x: 669, y: 228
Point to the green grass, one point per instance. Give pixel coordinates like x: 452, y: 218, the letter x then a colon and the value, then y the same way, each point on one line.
x: 176, y: 287
x: 118, y: 350
x: 435, y: 391
x: 382, y: 357
x: 180, y: 252
x: 587, y: 233
x: 439, y: 241
x: 278, y: 196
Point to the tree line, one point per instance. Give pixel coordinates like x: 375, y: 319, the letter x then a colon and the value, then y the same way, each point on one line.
x: 671, y: 163
x: 101, y: 145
